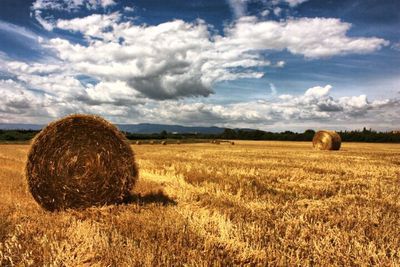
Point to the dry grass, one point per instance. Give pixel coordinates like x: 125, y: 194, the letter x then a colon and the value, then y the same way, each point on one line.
x: 198, y: 205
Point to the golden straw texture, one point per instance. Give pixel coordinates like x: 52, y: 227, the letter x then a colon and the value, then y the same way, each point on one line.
x: 80, y: 161
x: 327, y: 140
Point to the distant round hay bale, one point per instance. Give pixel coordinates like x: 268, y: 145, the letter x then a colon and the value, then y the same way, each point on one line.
x: 138, y: 142
x: 80, y: 161
x: 164, y: 143
x: 327, y: 140
x: 152, y: 142
x: 178, y: 142
x: 232, y: 143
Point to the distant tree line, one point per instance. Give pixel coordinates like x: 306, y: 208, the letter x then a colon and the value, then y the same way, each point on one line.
x: 364, y: 135
x: 347, y: 136
x: 17, y: 135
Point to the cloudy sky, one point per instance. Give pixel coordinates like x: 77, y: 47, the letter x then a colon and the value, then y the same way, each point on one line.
x: 267, y: 64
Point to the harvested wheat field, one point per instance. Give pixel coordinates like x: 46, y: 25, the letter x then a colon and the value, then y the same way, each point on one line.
x: 253, y: 203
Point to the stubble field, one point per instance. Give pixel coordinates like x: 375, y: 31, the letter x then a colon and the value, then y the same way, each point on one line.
x: 250, y: 203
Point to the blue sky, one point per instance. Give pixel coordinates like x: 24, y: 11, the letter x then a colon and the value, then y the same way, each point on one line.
x: 267, y: 64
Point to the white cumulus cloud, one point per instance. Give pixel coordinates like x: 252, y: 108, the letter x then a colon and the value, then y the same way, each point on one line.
x: 71, y: 5
x: 294, y: 3
x: 124, y: 69
x: 115, y: 100
x: 311, y: 37
x: 318, y: 91
x: 16, y: 99
x: 180, y: 59
x: 316, y: 104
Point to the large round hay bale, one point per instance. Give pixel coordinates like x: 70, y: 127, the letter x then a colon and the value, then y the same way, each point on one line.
x: 327, y: 140
x: 80, y: 161
x: 164, y: 143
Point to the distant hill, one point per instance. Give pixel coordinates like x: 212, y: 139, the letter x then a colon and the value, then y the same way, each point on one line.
x: 143, y: 128
x: 147, y: 128
x: 19, y: 126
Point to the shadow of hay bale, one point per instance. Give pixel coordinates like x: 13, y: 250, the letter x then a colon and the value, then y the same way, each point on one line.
x: 158, y: 197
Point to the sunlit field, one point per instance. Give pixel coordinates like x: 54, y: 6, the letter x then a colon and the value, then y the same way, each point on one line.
x: 251, y: 203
